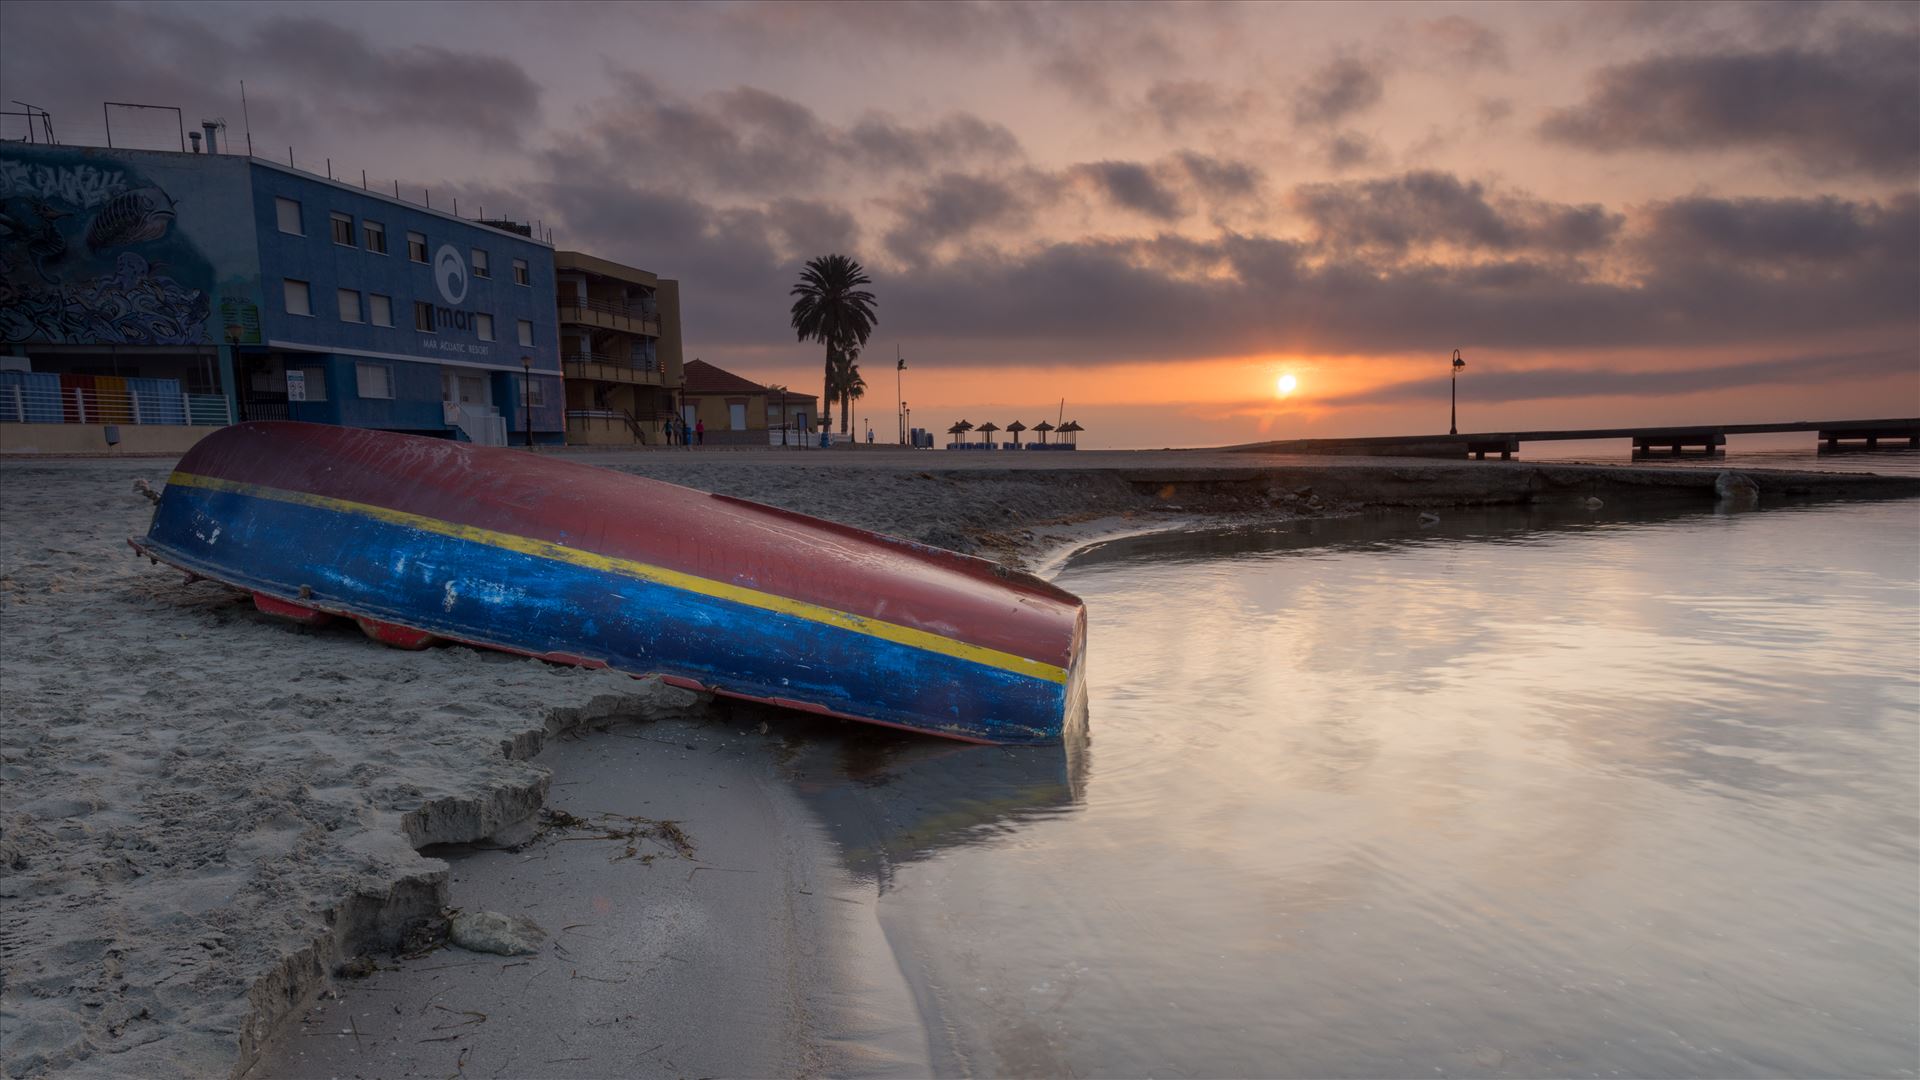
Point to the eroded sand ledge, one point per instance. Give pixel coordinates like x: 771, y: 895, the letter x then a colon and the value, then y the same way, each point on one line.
x: 202, y: 812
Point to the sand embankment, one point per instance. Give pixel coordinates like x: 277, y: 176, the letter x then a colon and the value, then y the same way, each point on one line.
x: 203, y: 811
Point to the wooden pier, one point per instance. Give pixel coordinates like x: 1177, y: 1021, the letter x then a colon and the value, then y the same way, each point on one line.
x: 1704, y: 440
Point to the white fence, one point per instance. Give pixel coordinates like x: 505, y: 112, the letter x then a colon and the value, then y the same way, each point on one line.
x: 78, y: 405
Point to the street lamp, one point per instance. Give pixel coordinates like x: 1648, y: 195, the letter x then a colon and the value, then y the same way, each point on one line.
x: 526, y: 392
x: 1453, y: 402
x: 900, y: 401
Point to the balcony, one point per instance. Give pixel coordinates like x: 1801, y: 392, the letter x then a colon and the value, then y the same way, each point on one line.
x: 610, y: 427
x: 609, y: 316
x: 600, y: 367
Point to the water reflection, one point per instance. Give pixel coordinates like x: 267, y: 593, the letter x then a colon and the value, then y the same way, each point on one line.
x: 1532, y: 793
x: 889, y: 798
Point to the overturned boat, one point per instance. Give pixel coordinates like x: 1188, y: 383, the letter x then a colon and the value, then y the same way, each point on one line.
x: 421, y: 539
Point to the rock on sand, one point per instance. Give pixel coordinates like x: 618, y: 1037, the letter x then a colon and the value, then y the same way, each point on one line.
x: 492, y: 932
x: 1734, y: 488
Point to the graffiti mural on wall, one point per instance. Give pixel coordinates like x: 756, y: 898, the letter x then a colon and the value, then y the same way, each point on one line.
x: 89, y: 254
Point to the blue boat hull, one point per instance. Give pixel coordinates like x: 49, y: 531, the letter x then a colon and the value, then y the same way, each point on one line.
x: 318, y: 553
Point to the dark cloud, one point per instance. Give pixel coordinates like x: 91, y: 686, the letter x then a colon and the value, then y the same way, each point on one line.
x: 1852, y: 106
x: 307, y: 77
x: 1086, y: 50
x: 1131, y: 186
x: 1464, y: 42
x: 1239, y: 294
x: 1102, y: 299
x: 412, y: 86
x: 1424, y: 208
x: 1782, y: 231
x: 753, y: 142
x: 809, y: 227
x: 1219, y: 179
x: 1540, y: 384
x: 951, y: 207
x: 1180, y: 106
x: 956, y: 205
x: 1339, y: 89
x: 883, y: 143
x: 1346, y: 150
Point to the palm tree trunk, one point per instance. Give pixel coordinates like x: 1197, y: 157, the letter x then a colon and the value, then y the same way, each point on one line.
x: 845, y: 400
x: 826, y: 393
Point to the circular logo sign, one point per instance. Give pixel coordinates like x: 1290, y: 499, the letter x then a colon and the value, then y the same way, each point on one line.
x: 450, y: 273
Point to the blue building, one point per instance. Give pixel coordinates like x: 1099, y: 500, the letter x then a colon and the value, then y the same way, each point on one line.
x: 138, y: 279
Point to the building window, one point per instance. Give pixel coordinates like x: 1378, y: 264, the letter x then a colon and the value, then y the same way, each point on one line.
x: 289, y: 214
x: 423, y: 316
x: 417, y: 247
x: 373, y: 380
x: 342, y: 228
x: 536, y: 392
x: 526, y: 331
x: 376, y: 236
x: 379, y: 309
x: 481, y: 267
x: 483, y: 326
x: 520, y: 274
x: 297, y: 299
x: 349, y: 305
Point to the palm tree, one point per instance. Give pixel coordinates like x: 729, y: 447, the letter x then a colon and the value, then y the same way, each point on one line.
x: 830, y: 307
x: 852, y: 388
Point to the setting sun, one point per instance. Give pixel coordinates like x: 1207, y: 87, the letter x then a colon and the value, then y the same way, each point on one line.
x: 1286, y: 385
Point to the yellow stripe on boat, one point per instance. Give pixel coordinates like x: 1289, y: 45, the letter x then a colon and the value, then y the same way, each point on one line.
x: 739, y: 594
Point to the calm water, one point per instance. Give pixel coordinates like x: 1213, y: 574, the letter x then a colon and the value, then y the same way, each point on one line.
x: 1510, y: 796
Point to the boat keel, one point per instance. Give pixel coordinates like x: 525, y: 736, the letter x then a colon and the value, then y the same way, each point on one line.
x: 282, y: 609
x: 395, y: 635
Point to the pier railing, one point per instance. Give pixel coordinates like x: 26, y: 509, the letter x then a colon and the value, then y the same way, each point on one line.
x: 1670, y: 441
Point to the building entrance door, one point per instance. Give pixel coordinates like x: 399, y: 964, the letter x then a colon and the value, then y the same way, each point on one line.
x: 263, y: 387
x: 460, y: 388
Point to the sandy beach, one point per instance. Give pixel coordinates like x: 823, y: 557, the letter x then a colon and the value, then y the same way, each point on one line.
x: 205, y: 812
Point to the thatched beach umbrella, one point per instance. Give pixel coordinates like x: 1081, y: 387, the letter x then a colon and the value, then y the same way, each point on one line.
x: 1071, y: 431
x: 1043, y: 427
x: 988, y: 429
x: 1014, y: 429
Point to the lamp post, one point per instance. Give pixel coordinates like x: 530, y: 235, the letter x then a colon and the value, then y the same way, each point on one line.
x: 231, y: 376
x: 899, y: 394
x: 526, y: 392
x: 1453, y: 398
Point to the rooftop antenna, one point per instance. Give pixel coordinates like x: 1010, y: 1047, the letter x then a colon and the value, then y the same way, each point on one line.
x: 244, y: 122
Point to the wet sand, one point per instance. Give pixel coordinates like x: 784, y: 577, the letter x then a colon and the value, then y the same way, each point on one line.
x: 734, y: 946
x: 205, y: 812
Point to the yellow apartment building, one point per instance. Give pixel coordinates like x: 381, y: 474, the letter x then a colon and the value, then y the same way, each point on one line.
x: 619, y: 350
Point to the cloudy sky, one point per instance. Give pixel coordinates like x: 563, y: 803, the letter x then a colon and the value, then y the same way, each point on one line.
x: 1619, y: 212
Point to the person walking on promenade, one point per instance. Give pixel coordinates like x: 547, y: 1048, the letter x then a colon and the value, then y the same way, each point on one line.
x: 700, y: 432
